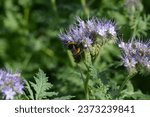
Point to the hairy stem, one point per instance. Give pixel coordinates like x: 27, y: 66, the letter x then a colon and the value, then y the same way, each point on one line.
x: 85, y: 82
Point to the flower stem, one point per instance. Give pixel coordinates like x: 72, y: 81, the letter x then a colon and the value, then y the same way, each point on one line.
x: 85, y: 7
x: 126, y: 80
x: 86, y: 88
x: 82, y: 77
x: 85, y: 82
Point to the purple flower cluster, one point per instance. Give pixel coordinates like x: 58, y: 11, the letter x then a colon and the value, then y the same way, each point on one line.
x: 136, y: 54
x: 10, y: 84
x: 85, y: 32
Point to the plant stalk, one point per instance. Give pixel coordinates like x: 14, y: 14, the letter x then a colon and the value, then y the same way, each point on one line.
x: 126, y: 80
x: 86, y: 88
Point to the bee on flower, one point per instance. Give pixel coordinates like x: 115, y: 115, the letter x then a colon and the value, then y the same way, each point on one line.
x: 88, y: 35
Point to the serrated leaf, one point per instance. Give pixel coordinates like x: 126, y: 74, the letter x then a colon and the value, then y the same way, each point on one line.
x: 42, y: 86
x: 28, y: 87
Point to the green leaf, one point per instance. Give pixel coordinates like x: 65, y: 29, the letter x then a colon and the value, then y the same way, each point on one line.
x: 41, y: 87
x: 28, y: 87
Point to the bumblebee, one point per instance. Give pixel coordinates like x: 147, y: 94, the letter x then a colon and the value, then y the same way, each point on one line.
x: 76, y: 50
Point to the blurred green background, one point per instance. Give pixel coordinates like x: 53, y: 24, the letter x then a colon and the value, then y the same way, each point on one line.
x: 29, y: 38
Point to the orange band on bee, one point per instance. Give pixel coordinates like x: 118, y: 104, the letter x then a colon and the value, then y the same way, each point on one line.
x: 77, y: 51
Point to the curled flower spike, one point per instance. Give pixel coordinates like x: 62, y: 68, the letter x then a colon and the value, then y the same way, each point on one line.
x: 10, y: 84
x: 136, y: 53
x: 86, y: 34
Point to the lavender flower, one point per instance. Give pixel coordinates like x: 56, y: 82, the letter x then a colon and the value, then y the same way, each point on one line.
x: 136, y: 53
x: 106, y: 28
x: 10, y: 84
x: 86, y: 34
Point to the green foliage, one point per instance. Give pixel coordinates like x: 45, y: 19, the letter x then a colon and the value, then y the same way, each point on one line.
x: 130, y: 93
x: 29, y: 41
x: 41, y: 88
x: 139, y: 24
